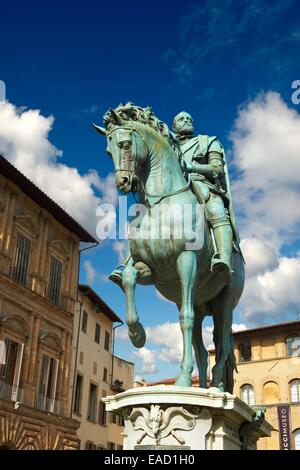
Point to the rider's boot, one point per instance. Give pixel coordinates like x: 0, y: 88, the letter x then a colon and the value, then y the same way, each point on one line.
x: 221, y: 261
x: 117, y: 274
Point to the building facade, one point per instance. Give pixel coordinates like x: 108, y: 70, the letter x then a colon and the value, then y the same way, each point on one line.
x: 268, y: 363
x: 39, y: 256
x: 97, y: 373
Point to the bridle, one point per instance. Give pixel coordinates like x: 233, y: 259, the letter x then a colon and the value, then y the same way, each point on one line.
x: 129, y: 161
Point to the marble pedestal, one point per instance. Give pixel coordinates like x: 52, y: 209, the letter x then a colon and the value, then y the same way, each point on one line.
x: 166, y: 417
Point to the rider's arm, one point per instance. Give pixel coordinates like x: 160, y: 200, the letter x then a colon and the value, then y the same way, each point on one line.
x: 215, y: 163
x: 213, y: 169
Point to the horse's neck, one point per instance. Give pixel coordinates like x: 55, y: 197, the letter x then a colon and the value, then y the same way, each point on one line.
x: 162, y: 173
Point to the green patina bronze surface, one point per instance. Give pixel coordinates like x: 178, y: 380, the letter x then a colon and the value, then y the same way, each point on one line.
x: 185, y: 170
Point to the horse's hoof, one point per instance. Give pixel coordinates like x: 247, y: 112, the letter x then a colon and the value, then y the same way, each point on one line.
x: 183, y: 381
x: 217, y: 388
x: 137, y: 335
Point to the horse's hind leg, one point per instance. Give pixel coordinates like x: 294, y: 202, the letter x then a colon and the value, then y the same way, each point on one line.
x: 136, y: 331
x: 187, y: 270
x: 199, y: 348
x: 222, y: 315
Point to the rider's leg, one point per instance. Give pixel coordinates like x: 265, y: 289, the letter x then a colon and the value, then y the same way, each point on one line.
x: 220, y: 223
x: 116, y: 275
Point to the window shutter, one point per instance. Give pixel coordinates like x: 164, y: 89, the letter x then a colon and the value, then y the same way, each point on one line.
x: 15, y: 387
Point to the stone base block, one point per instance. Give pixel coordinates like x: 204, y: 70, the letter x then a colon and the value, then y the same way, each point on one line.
x: 168, y: 417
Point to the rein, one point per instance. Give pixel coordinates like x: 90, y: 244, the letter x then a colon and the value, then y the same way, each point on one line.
x: 131, y: 167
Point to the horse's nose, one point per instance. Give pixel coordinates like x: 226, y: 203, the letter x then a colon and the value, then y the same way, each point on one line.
x: 125, y: 180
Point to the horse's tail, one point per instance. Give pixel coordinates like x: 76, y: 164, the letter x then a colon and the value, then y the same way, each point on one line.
x: 229, y: 368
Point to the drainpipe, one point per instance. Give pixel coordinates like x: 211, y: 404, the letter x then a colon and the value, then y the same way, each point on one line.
x: 79, y: 323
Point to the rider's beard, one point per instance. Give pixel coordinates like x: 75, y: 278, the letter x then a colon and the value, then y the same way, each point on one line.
x: 186, y: 129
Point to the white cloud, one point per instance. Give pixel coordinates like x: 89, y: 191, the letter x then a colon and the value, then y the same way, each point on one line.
x: 260, y: 255
x: 90, y: 271
x: 24, y: 141
x: 274, y: 295
x: 122, y: 333
x: 266, y: 150
x: 120, y: 248
x: 266, y: 154
x: 148, y: 359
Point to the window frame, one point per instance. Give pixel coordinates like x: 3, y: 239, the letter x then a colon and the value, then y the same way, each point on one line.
x: 79, y: 401
x: 84, y: 321
x: 97, y: 333
x: 92, y: 418
x: 250, y: 389
x: 107, y: 341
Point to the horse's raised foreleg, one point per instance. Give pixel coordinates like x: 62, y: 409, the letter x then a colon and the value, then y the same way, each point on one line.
x: 199, y: 348
x: 187, y: 270
x: 130, y: 277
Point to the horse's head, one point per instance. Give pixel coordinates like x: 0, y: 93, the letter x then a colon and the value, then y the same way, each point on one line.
x: 127, y: 148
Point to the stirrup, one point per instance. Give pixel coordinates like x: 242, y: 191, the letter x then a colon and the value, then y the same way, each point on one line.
x: 117, y: 274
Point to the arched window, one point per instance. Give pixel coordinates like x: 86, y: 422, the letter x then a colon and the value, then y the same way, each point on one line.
x: 297, y: 439
x: 271, y: 392
x: 247, y: 394
x: 293, y: 345
x: 295, y: 390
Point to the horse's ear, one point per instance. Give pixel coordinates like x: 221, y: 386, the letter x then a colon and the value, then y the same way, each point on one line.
x: 99, y: 129
x: 116, y: 118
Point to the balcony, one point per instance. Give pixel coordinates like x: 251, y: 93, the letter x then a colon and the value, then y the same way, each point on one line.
x: 50, y: 405
x: 11, y: 392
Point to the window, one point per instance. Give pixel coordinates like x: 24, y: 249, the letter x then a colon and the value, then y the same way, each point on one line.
x: 271, y: 393
x: 297, y: 439
x: 110, y: 446
x: 107, y: 340
x: 104, y: 375
x: 84, y: 321
x: 90, y: 446
x: 47, y: 385
x: 247, y: 394
x: 92, y: 405
x: 245, y: 352
x: 21, y: 259
x: 102, y: 412
x: 295, y: 391
x: 55, y: 280
x: 78, y: 391
x: 10, y: 371
x: 293, y: 346
x: 97, y: 333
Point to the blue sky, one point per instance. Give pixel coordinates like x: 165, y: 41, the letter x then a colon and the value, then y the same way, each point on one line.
x: 230, y: 64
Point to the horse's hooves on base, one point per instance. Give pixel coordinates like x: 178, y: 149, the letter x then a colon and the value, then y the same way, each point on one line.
x: 137, y: 335
x: 217, y: 388
x: 183, y: 381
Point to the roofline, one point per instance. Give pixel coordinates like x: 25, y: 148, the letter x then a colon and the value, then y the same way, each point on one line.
x: 97, y: 300
x: 267, y: 327
x: 10, y: 172
x: 261, y: 328
x: 123, y: 360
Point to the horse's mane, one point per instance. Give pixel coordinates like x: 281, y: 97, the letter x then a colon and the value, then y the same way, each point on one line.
x: 131, y: 112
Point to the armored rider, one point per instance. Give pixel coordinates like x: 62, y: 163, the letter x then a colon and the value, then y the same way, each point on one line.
x: 204, y: 159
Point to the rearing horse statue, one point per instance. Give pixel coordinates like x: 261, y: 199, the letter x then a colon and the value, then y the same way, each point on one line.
x: 147, y: 161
